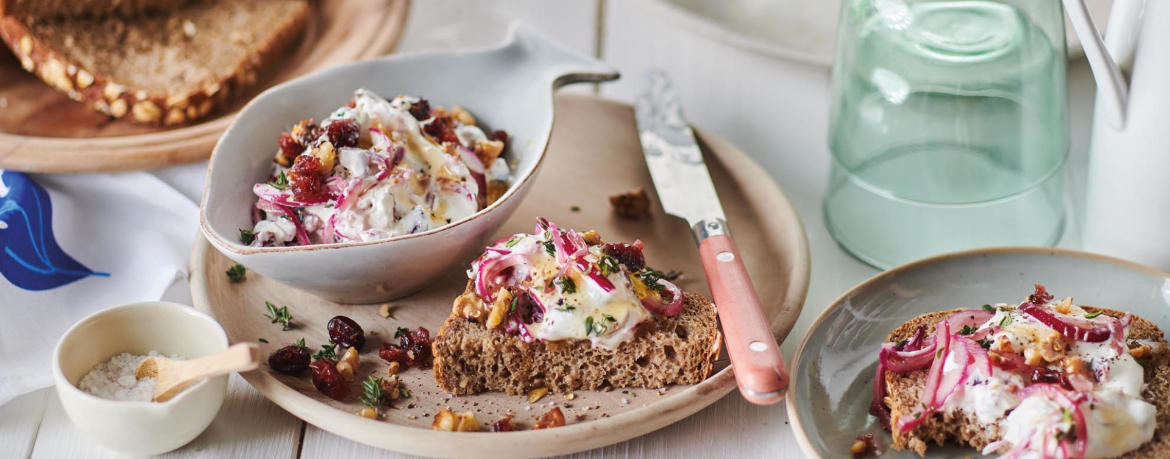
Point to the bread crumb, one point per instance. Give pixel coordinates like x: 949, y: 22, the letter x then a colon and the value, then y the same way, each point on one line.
x: 625, y: 401
x: 189, y: 29
x: 633, y: 204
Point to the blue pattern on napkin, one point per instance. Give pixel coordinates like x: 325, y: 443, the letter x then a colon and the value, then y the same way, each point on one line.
x: 31, y: 258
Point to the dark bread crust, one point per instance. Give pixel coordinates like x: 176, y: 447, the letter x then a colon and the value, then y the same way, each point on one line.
x: 76, y: 8
x: 48, y: 49
x: 469, y: 358
x: 904, y: 391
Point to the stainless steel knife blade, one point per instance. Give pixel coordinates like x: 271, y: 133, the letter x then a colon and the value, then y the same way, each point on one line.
x: 685, y: 190
x: 673, y: 156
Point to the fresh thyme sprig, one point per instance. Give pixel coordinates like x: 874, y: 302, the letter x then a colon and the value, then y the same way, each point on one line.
x: 236, y: 273
x: 279, y: 315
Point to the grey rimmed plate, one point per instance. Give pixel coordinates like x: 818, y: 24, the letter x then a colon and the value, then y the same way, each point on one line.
x: 835, y: 362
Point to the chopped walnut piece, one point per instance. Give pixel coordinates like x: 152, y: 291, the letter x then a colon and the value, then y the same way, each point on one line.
x: 591, y: 237
x: 348, y: 364
x: 499, y: 309
x: 633, y: 204
x: 327, y: 154
x: 553, y: 418
x: 863, y: 446
x: 488, y: 151
x: 495, y: 190
x: 1074, y: 365
x: 455, y: 422
x: 469, y: 306
x: 392, y: 387
x: 1141, y: 351
x: 462, y: 116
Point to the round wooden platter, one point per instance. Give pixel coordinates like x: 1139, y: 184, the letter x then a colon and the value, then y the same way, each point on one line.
x: 594, y: 152
x: 42, y: 130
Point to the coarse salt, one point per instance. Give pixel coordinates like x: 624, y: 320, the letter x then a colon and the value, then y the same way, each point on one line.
x: 114, y: 379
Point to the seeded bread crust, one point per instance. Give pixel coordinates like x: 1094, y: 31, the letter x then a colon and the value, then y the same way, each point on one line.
x: 905, y: 390
x: 76, y: 8
x: 152, y: 69
x: 469, y: 358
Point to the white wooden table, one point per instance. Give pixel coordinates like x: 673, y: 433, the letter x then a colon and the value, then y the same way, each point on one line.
x: 776, y: 111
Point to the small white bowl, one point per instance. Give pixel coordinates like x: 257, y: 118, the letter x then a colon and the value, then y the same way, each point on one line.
x: 508, y: 88
x: 140, y: 428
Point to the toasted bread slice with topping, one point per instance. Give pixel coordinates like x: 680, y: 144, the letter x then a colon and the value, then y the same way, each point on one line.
x: 905, y: 390
x: 471, y: 358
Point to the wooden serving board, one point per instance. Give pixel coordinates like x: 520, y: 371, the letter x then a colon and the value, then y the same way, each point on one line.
x: 42, y: 130
x: 594, y: 152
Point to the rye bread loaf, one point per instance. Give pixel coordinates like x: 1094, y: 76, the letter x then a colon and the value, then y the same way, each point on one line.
x: 160, y: 69
x: 905, y: 391
x: 470, y: 358
x: 48, y: 9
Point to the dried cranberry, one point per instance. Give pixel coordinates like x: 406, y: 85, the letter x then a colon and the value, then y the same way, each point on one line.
x: 327, y: 380
x: 440, y: 130
x: 498, y: 135
x: 420, y: 110
x: 346, y: 332
x: 627, y: 254
x: 305, y: 179
x: 290, y: 360
x: 504, y: 424
x: 343, y: 133
x: 1050, y: 376
x: 289, y: 146
x: 413, y: 348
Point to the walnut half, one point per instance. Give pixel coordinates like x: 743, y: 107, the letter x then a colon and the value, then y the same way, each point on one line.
x: 451, y: 421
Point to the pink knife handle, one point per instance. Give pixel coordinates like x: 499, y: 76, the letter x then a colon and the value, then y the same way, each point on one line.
x: 759, y: 366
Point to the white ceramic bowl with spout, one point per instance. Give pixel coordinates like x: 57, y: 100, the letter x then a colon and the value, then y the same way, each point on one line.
x: 140, y: 428
x: 509, y: 88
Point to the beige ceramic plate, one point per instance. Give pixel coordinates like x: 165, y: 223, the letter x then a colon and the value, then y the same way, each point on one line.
x: 42, y: 130
x: 594, y: 152
x: 835, y: 363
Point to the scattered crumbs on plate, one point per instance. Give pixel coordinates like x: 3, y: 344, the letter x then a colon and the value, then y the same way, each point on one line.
x: 625, y: 401
x: 575, y: 208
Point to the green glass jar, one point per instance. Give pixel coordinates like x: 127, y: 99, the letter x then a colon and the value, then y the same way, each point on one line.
x: 948, y: 127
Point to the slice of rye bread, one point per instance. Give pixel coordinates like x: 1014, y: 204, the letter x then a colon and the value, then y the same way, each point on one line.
x: 94, y: 8
x: 160, y: 69
x: 470, y: 358
x: 905, y: 390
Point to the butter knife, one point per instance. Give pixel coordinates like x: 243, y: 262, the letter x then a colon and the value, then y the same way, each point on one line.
x: 685, y: 189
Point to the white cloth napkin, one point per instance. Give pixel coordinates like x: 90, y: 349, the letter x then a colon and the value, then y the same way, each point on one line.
x: 71, y: 245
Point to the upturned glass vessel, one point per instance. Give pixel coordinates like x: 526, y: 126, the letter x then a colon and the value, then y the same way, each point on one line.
x: 948, y: 127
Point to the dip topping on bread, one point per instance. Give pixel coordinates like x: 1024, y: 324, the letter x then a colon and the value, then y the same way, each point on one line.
x: 559, y: 284
x: 376, y: 169
x: 1053, y: 379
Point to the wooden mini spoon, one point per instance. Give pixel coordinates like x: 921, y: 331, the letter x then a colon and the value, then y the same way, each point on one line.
x: 176, y: 375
